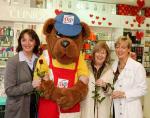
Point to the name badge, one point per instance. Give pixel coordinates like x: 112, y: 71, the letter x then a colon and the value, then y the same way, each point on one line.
x: 62, y: 83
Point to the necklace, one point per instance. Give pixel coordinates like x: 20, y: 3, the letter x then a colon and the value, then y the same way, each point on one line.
x: 121, y: 66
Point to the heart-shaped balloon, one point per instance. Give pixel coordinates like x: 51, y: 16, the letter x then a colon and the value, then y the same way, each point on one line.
x: 140, y: 3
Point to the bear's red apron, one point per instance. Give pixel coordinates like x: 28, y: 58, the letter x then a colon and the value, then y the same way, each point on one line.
x: 62, y: 78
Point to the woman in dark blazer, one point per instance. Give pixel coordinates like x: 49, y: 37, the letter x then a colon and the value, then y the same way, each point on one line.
x: 18, y: 77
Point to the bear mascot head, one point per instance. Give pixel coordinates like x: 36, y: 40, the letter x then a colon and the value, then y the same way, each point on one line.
x: 65, y: 35
x: 67, y: 70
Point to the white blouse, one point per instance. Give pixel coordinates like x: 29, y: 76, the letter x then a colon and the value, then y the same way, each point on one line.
x: 22, y: 57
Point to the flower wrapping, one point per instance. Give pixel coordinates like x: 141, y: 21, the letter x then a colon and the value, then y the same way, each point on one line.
x: 42, y: 68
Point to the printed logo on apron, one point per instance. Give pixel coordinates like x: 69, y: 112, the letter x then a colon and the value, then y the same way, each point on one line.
x: 62, y: 83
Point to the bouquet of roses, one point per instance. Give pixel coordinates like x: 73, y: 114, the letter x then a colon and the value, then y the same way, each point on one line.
x: 41, y: 69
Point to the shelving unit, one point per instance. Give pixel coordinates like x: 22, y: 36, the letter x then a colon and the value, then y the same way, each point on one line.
x: 6, y: 42
x: 18, y: 15
x: 137, y: 44
x: 141, y: 48
x: 147, y: 52
x: 103, y: 34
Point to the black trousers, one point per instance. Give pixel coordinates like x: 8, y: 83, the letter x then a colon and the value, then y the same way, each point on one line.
x: 113, y: 111
x: 34, y: 106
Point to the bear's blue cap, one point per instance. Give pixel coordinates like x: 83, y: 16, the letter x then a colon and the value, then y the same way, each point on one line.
x: 68, y: 24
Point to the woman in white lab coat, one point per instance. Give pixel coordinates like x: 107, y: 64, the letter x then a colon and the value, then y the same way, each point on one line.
x: 129, y: 82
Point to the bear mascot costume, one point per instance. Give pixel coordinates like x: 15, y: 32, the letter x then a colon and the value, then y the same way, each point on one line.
x: 63, y: 63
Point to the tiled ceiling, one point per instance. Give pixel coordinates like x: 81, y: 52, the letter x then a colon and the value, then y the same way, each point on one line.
x: 129, y: 2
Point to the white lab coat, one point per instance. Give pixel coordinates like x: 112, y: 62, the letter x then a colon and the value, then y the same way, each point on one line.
x: 132, y: 81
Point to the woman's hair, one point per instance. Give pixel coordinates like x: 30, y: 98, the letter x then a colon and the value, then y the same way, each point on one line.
x: 126, y: 39
x: 33, y: 35
x: 101, y: 45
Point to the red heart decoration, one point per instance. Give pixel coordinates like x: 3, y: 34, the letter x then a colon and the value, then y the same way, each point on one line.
x: 109, y: 23
x: 91, y: 15
x: 97, y: 17
x: 93, y: 22
x: 104, y: 18
x: 99, y: 23
x: 127, y: 22
x: 140, y: 19
x: 134, y: 20
x: 139, y: 35
x: 57, y: 11
x: 139, y: 25
x: 147, y: 25
x: 132, y: 25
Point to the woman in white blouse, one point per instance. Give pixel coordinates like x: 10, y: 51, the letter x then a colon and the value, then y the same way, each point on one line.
x: 129, y: 82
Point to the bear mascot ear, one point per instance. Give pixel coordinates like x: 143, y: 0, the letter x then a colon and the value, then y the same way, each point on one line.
x: 48, y: 26
x: 47, y: 31
x: 85, y: 31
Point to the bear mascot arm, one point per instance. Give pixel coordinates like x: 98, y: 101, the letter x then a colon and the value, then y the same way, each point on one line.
x: 65, y: 97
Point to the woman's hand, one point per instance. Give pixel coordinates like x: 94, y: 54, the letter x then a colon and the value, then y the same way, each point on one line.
x: 46, y: 77
x: 84, y: 79
x: 101, y: 83
x: 36, y: 83
x: 118, y: 94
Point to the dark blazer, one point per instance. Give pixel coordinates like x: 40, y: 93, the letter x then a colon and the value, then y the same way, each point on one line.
x: 18, y: 85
